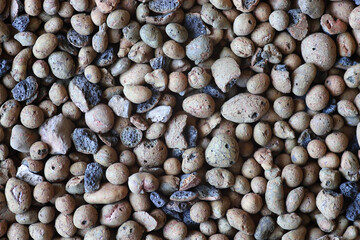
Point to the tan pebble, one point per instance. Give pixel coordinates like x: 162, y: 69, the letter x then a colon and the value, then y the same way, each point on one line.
x: 319, y: 49
x: 100, y: 118
x: 222, y: 151
x: 241, y: 221
x: 108, y: 193
x: 200, y: 105
x: 146, y: 220
x: 225, y: 71
x: 274, y: 196
x: 113, y: 215
x: 18, y: 195
x: 137, y: 94
x: 245, y: 108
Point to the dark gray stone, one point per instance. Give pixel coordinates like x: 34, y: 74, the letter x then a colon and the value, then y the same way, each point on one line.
x: 130, y: 136
x: 77, y: 39
x: 20, y: 23
x: 93, y: 176
x: 25, y: 89
x: 265, y: 227
x: 158, y: 200
x: 85, y: 140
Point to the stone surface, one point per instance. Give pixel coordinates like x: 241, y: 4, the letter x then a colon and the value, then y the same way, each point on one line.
x: 93, y: 176
x: 159, y: 114
x: 85, y: 141
x: 23, y: 173
x: 120, y: 106
x: 56, y: 132
x: 22, y: 138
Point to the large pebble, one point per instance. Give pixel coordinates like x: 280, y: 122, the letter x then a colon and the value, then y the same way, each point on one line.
x: 22, y: 138
x: 18, y: 195
x: 225, y: 71
x: 174, y: 136
x: 85, y: 141
x: 222, y: 151
x: 240, y: 220
x: 264, y: 228
x: 245, y: 108
x: 100, y: 118
x: 200, y: 105
x: 9, y: 113
x: 199, y: 49
x: 159, y: 114
x: 137, y: 94
x: 329, y: 203
x: 62, y: 65
x: 108, y: 193
x: 56, y: 132
x: 151, y: 153
x: 120, y: 106
x: 45, y: 45
x: 113, y: 215
x: 319, y: 49
x: 274, y: 196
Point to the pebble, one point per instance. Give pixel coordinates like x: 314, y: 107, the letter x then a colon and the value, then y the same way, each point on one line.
x: 319, y: 49
x: 56, y: 132
x: 85, y: 140
x: 23, y: 173
x: 106, y: 194
x: 225, y: 79
x: 130, y: 136
x: 25, y: 89
x: 160, y: 114
x: 245, y: 108
x: 120, y: 106
x: 200, y: 105
x: 92, y: 177
x: 157, y: 199
x: 265, y: 228
x: 18, y: 195
x: 146, y: 220
x: 100, y: 118
x: 241, y: 221
x: 188, y: 181
x: 22, y: 138
x: 174, y: 136
x: 83, y: 93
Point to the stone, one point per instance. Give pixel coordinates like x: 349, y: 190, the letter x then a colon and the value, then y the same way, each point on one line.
x: 23, y: 173
x: 120, y: 106
x: 159, y: 114
x: 56, y: 132
x: 93, y: 176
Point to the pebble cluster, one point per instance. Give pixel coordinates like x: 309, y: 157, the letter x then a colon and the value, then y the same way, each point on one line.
x: 179, y: 119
